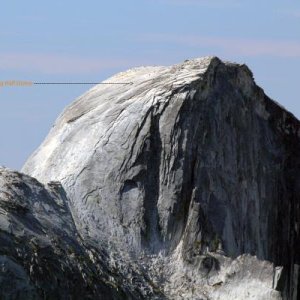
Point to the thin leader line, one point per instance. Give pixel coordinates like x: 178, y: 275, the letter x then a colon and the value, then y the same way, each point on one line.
x: 44, y: 83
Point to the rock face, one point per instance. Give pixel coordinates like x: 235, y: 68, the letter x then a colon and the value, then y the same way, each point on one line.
x: 183, y: 185
x: 41, y: 255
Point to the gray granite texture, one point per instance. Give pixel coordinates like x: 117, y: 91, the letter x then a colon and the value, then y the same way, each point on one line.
x: 182, y: 185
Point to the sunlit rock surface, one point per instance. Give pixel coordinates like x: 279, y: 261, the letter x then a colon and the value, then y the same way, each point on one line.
x: 185, y: 185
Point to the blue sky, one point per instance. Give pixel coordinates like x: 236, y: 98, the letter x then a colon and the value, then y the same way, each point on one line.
x: 91, y: 40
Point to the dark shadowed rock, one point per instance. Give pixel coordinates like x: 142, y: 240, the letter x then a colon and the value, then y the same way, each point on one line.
x: 42, y: 256
x: 186, y: 181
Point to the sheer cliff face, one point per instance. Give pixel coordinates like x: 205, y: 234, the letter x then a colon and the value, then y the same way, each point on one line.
x: 187, y: 168
x: 140, y: 159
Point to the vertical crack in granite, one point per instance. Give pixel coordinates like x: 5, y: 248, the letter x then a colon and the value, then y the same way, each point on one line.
x: 151, y: 235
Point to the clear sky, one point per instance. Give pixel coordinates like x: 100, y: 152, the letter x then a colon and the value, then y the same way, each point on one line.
x: 90, y: 40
